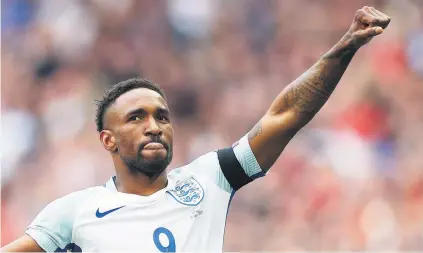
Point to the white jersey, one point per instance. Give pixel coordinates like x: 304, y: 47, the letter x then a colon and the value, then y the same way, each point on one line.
x: 188, y: 215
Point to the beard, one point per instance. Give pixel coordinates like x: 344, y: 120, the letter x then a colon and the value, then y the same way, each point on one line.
x: 151, y: 168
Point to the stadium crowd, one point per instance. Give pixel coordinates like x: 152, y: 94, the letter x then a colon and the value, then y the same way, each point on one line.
x: 352, y: 179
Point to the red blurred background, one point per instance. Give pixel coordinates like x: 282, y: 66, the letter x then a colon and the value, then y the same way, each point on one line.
x: 351, y: 180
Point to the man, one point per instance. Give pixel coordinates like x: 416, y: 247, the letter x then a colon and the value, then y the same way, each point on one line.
x: 143, y: 209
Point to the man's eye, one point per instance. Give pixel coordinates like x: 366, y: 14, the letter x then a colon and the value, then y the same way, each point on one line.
x: 164, y: 118
x: 134, y: 118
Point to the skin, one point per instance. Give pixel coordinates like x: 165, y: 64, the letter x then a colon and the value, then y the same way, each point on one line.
x: 292, y: 109
x: 299, y: 102
x: 137, y: 117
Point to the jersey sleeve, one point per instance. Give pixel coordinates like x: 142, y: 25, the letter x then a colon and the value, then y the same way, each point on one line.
x: 230, y: 168
x: 52, y: 228
x: 238, y: 164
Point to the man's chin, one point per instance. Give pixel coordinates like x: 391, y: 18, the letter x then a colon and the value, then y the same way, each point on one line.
x: 153, y: 167
x: 154, y: 155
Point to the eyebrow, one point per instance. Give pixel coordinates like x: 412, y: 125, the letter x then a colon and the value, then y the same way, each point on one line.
x: 134, y: 112
x: 160, y: 110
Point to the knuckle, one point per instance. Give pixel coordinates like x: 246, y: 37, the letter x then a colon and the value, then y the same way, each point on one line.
x: 386, y: 21
x: 370, y: 20
x: 360, y: 14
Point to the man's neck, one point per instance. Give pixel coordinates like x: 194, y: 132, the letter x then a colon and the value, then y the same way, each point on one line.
x: 139, y: 183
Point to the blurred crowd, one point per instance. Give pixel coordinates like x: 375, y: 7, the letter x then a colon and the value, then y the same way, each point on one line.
x: 352, y: 179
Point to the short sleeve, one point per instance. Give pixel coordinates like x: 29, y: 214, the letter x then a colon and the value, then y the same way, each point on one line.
x: 238, y: 164
x: 52, y: 228
x: 246, y: 158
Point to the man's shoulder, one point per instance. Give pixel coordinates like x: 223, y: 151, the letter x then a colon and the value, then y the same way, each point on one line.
x: 208, y: 159
x: 205, y: 170
x: 89, y: 191
x: 82, y: 195
x: 197, y: 166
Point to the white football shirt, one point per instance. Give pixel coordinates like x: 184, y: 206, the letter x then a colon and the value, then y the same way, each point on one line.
x: 188, y: 215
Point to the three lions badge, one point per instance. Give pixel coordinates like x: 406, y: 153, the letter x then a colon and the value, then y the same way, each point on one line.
x: 188, y: 192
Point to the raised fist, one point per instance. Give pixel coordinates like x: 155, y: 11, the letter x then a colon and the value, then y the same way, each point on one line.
x: 368, y: 23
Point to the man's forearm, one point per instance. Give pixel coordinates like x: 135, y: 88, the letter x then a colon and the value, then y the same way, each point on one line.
x: 304, y: 97
x: 297, y: 104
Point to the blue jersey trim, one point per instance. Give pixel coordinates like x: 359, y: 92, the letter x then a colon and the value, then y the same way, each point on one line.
x: 226, y: 218
x: 72, y: 247
x: 258, y: 175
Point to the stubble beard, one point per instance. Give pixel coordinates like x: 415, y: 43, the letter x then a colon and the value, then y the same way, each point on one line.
x: 150, y: 168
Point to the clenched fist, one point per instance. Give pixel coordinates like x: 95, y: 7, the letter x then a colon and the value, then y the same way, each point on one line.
x: 368, y: 23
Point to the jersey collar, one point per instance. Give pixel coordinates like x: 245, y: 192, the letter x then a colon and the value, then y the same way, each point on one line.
x: 111, y: 185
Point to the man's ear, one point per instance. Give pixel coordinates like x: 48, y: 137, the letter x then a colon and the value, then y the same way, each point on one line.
x: 108, y: 140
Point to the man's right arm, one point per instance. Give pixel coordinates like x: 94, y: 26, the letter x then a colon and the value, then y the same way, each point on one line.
x: 23, y: 244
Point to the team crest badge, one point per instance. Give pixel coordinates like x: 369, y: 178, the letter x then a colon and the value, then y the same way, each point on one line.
x: 188, y: 192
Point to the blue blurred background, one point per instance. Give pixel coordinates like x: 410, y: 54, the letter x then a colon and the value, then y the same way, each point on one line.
x: 351, y: 180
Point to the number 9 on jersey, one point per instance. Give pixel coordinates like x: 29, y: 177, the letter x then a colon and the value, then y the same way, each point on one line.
x: 171, y: 239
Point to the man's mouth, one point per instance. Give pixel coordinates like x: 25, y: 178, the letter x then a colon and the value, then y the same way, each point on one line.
x: 153, y: 146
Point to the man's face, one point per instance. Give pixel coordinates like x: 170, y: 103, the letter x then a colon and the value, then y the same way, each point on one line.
x: 138, y: 129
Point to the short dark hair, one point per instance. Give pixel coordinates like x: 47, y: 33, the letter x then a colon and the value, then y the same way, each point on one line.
x: 116, y: 91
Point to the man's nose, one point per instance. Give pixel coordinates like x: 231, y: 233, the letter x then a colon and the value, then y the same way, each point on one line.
x: 153, y: 128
